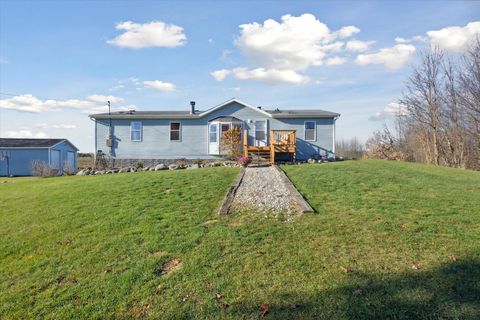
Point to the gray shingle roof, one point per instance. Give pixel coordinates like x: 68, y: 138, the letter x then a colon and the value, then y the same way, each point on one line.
x: 185, y: 114
x: 293, y: 113
x: 28, y: 143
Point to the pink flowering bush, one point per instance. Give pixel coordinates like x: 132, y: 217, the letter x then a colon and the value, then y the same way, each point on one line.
x: 244, y: 161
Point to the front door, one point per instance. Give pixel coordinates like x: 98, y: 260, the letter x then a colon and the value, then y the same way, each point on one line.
x: 260, y: 133
x: 213, y: 138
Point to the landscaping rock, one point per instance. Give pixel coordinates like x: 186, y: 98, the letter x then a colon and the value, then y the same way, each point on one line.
x: 311, y: 161
x: 173, y: 167
x: 100, y: 172
x: 160, y: 166
x: 152, y: 168
x: 123, y: 170
x: 193, y: 166
x: 82, y: 172
x: 145, y: 168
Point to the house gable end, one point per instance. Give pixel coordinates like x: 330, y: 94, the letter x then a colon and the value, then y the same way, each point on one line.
x: 231, y: 101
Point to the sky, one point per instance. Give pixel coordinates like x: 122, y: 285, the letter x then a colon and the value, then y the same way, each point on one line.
x: 61, y: 61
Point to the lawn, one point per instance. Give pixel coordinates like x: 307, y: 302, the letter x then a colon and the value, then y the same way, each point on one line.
x: 390, y: 240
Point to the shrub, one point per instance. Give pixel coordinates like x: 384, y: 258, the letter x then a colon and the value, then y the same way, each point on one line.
x: 42, y: 169
x: 244, y: 161
x: 231, y: 143
x: 182, y: 162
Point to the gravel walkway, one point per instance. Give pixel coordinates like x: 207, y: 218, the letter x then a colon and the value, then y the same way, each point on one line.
x: 262, y: 190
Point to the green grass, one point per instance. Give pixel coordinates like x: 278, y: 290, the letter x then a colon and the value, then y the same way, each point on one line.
x: 92, y: 247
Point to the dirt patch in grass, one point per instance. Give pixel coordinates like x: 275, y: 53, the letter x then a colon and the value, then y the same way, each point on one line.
x: 170, y: 266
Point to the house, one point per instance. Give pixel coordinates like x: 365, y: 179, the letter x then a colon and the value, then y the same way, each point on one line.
x: 18, y: 155
x: 140, y: 136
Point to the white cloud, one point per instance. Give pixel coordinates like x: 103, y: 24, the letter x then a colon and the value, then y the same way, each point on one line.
x: 335, y: 61
x: 393, y: 58
x: 391, y: 110
x: 412, y: 39
x: 270, y: 75
x: 358, y: 45
x: 455, y: 38
x: 55, y: 126
x: 220, y: 75
x: 103, y: 99
x: 117, y: 87
x: 294, y: 43
x: 23, y: 134
x: 347, y: 31
x: 32, y: 104
x: 150, y: 34
x: 159, y: 85
x: 281, y: 51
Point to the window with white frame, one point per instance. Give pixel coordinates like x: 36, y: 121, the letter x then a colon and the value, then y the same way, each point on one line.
x: 136, y: 131
x: 175, y: 131
x: 310, y: 131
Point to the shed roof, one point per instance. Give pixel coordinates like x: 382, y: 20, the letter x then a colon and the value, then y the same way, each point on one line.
x: 30, y: 143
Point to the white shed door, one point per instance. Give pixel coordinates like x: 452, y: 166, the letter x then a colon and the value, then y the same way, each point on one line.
x: 55, y: 159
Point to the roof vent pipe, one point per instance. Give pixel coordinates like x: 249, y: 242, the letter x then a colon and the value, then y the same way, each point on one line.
x: 192, y: 107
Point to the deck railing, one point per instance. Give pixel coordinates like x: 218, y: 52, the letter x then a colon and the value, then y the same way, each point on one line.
x: 283, y: 137
x: 280, y: 141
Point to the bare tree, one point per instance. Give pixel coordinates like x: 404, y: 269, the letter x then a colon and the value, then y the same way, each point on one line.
x: 423, y: 100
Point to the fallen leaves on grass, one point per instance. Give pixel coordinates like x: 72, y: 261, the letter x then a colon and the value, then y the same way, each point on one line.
x: 186, y: 298
x: 264, y: 309
x: 218, y: 298
x: 139, y: 311
x: 345, y: 269
x: 416, y: 266
x: 357, y: 292
x: 170, y: 266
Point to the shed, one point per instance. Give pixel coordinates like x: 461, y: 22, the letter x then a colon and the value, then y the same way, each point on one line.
x: 18, y: 155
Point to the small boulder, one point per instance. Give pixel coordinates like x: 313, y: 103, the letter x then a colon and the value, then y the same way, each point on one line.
x: 161, y: 166
x: 100, y: 172
x: 123, y: 170
x: 81, y: 172
x: 311, y: 160
x: 193, y: 166
x: 173, y: 167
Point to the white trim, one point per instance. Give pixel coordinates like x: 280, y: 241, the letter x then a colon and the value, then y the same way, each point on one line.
x: 255, y: 130
x: 141, y: 131
x: 179, y: 131
x: 334, y: 129
x: 229, y: 102
x: 305, y: 131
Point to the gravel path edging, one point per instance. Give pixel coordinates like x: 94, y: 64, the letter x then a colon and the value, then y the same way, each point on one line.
x: 302, y: 205
x: 232, y: 190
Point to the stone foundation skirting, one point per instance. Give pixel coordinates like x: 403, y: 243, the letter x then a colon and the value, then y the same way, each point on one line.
x: 153, y: 162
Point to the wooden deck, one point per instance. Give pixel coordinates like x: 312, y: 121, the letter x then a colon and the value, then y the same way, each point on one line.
x: 281, y: 141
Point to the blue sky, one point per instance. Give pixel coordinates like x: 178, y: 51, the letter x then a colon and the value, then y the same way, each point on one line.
x: 59, y: 61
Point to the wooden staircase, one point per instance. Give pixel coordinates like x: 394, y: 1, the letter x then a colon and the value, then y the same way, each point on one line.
x: 281, y: 141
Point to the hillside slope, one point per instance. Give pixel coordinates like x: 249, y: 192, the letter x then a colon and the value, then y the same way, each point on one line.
x: 390, y: 240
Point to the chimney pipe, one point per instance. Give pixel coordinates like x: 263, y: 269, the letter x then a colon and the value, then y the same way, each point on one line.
x: 192, y: 107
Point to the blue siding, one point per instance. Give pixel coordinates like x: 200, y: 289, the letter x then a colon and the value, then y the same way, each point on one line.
x: 21, y: 161
x: 156, y: 142
x: 64, y: 147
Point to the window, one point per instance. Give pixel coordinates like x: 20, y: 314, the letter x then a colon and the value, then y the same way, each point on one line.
x: 175, y: 131
x: 136, y: 131
x: 213, y: 132
x: 261, y: 131
x: 310, y: 131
